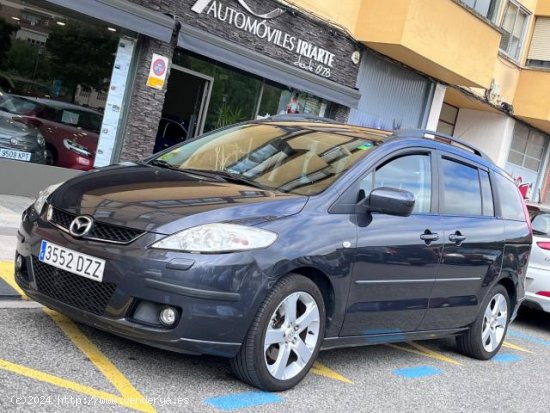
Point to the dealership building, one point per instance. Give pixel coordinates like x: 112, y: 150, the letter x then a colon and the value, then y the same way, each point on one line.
x: 161, y: 71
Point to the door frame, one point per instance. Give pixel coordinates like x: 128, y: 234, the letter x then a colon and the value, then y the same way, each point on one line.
x: 205, y: 100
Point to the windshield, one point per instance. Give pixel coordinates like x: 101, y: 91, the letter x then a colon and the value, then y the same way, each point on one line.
x: 299, y: 158
x: 18, y: 106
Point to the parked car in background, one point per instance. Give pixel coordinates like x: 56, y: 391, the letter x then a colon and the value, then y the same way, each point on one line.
x: 255, y: 242
x: 71, y: 131
x: 20, y: 141
x: 537, y: 289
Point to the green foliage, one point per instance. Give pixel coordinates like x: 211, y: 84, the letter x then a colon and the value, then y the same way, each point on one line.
x: 6, y: 30
x: 81, y: 54
x: 228, y: 115
x: 25, y: 58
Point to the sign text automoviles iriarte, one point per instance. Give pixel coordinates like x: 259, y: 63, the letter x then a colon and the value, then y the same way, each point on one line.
x: 310, y: 57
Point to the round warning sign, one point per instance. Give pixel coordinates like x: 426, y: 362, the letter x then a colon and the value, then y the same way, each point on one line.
x: 159, y: 67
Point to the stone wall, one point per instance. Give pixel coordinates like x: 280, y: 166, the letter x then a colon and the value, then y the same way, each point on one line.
x: 146, y: 103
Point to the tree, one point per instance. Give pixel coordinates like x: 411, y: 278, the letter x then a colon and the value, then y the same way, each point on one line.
x: 81, y: 54
x: 22, y: 59
x: 6, y: 30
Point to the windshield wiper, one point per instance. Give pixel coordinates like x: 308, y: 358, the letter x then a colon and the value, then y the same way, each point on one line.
x: 228, y: 176
x: 198, y: 173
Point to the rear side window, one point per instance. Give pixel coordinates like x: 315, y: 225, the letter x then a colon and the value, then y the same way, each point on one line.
x: 511, y: 204
x: 541, y: 224
x: 461, y: 189
x: 487, y: 194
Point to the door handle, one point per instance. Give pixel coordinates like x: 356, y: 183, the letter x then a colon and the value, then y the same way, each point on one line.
x: 429, y: 236
x: 457, y: 237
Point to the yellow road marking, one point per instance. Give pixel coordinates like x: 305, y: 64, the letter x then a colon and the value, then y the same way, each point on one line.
x: 77, y: 387
x: 512, y: 346
x: 102, y: 363
x: 423, y: 351
x: 6, y: 273
x: 322, y: 370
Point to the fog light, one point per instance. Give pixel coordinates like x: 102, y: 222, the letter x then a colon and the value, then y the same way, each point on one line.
x: 19, y: 262
x: 168, y: 316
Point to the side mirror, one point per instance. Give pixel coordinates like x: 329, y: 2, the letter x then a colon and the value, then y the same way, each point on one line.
x: 390, y: 201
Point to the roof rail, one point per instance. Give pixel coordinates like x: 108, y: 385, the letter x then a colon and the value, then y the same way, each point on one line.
x: 300, y: 117
x: 440, y: 137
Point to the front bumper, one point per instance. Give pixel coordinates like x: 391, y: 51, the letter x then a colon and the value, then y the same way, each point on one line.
x: 216, y: 295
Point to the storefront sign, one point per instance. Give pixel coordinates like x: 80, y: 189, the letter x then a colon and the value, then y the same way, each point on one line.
x: 157, y: 73
x: 279, y: 32
x: 113, y: 108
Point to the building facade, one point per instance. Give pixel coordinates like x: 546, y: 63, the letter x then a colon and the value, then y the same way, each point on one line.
x: 475, y: 69
x: 490, y: 60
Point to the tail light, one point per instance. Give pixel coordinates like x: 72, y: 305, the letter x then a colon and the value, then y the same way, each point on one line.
x: 544, y: 293
x: 544, y: 245
x: 527, y: 217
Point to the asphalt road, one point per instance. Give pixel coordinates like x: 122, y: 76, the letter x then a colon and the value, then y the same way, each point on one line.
x: 49, y: 364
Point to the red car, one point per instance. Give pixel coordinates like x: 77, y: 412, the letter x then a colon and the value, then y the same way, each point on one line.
x: 71, y: 131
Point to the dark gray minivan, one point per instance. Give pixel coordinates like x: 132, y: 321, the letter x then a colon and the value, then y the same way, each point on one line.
x: 268, y: 241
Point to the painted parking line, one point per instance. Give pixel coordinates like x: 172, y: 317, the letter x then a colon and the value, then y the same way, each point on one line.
x: 417, y: 372
x: 129, y: 396
x: 506, y: 358
x: 99, y: 360
x: 95, y: 394
x: 6, y: 273
x: 322, y: 370
x: 513, y: 346
x: 415, y: 348
x: 527, y: 337
x: 243, y: 400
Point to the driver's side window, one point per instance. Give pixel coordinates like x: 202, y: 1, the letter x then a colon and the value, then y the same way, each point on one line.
x: 410, y: 172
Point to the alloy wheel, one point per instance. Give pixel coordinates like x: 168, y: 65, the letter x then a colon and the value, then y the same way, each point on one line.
x: 292, y: 335
x: 494, y: 323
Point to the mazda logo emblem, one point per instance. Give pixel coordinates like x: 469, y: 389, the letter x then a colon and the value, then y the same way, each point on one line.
x: 81, y: 226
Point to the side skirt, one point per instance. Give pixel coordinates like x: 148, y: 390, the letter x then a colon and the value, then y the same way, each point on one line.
x: 369, y: 340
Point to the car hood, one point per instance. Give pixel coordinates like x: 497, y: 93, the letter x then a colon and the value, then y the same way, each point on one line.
x: 164, y: 201
x: 11, y: 128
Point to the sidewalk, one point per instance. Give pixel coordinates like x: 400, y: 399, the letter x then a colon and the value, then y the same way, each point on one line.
x: 11, y: 208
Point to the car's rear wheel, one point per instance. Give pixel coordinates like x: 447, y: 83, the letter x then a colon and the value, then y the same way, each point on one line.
x: 284, y: 339
x: 486, y: 335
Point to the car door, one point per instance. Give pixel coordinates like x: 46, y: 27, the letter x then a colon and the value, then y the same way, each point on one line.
x: 397, y: 258
x: 473, y: 243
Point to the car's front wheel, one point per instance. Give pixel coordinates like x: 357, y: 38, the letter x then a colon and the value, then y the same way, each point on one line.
x: 285, y: 337
x: 486, y: 335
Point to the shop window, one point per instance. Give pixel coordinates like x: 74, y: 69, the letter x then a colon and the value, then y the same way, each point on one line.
x: 486, y: 8
x: 235, y: 96
x: 539, y: 52
x: 49, y: 75
x: 514, y: 27
x: 528, y: 148
x: 447, y: 119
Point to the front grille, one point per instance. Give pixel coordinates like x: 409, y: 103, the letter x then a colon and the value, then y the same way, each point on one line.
x: 72, y: 289
x: 100, y: 230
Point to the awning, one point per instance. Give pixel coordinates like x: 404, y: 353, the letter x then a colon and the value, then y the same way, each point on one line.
x: 124, y: 14
x: 232, y: 54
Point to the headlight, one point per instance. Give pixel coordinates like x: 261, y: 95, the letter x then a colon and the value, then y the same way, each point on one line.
x: 217, y: 238
x: 40, y: 139
x: 76, y: 147
x: 43, y: 197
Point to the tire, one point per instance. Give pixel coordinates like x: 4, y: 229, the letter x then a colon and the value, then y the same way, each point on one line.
x: 265, y: 367
x: 487, y: 334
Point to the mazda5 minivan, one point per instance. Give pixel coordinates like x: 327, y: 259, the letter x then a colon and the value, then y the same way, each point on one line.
x: 269, y: 241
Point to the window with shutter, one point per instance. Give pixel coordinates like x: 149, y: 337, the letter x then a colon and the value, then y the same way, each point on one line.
x: 539, y: 52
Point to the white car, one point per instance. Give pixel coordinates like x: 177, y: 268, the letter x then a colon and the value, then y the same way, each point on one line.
x: 537, y: 294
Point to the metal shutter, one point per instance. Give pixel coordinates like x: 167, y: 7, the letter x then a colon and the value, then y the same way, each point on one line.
x: 540, y: 44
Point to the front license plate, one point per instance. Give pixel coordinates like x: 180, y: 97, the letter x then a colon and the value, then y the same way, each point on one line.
x: 72, y: 261
x: 13, y: 154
